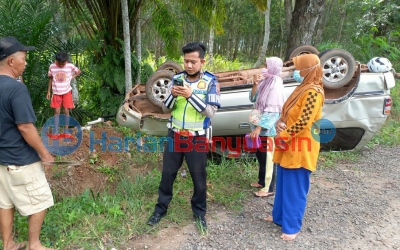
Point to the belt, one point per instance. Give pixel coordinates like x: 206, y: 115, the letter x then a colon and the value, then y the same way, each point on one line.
x: 187, y: 133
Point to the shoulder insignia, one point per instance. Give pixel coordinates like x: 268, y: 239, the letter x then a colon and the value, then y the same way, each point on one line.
x: 208, y: 76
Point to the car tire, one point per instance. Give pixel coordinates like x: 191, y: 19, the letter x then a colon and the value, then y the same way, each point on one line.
x: 172, y: 66
x: 338, y: 68
x: 157, y: 86
x: 301, y: 50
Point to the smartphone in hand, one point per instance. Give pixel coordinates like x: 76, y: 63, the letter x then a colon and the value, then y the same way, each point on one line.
x: 178, y: 82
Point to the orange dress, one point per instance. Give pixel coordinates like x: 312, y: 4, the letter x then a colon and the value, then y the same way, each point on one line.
x: 301, y: 138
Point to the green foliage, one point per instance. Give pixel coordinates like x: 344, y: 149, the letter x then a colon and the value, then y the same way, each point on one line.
x: 58, y: 171
x: 395, y: 94
x: 239, y: 173
x: 81, y: 221
x: 111, y: 71
x: 111, y: 171
x: 94, y: 158
x: 371, y: 29
x: 243, y: 34
x: 126, y: 131
x: 168, y: 28
x: 370, y: 45
x: 389, y: 134
x: 220, y: 64
x: 102, y: 88
x: 30, y: 22
x: 81, y: 114
x: 211, y: 13
x: 146, y: 72
x: 329, y: 45
x: 330, y: 159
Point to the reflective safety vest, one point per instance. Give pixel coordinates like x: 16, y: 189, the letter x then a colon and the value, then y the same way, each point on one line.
x: 184, y: 116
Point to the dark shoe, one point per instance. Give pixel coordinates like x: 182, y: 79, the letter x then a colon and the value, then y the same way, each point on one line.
x: 201, y: 223
x: 155, y: 218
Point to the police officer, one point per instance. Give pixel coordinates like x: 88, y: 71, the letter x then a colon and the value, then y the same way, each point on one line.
x: 194, y: 99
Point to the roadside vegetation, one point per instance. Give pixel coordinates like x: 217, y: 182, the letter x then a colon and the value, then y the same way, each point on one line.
x: 104, y: 220
x: 390, y: 132
x: 388, y: 135
x: 239, y: 31
x: 108, y: 219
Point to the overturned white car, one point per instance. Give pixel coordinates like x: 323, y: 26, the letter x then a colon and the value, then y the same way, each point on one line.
x: 357, y: 102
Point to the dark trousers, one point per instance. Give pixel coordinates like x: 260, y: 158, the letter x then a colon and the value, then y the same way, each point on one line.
x: 172, y: 160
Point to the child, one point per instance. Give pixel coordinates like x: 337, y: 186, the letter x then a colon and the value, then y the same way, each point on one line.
x: 61, y: 73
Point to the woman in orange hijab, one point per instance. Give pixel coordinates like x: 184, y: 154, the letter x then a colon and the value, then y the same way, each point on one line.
x: 297, y: 146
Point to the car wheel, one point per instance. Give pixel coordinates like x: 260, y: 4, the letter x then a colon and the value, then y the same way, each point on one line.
x: 301, y: 50
x: 157, y: 86
x: 172, y: 66
x: 338, y: 68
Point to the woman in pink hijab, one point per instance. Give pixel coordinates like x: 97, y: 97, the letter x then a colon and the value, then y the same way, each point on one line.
x: 268, y: 97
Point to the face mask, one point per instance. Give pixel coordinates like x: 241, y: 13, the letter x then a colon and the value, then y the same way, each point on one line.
x: 265, y: 72
x: 297, y: 77
x: 194, y: 75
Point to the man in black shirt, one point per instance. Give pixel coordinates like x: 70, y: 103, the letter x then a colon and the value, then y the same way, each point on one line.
x: 23, y: 182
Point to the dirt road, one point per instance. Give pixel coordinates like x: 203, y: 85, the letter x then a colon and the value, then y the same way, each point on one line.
x: 351, y: 206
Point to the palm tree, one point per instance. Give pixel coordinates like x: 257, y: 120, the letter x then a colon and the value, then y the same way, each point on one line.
x: 30, y: 21
x: 127, y: 46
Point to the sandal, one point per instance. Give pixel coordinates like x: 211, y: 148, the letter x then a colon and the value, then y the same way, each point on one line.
x: 256, y: 185
x: 263, y: 194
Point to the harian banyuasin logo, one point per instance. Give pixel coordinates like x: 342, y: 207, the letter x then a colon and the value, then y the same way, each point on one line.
x: 61, y: 135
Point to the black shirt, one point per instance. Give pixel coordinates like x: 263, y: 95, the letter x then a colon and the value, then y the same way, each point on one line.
x: 15, y: 108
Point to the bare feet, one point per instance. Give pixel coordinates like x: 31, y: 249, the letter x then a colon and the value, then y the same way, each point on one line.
x: 269, y: 219
x: 39, y: 248
x: 289, y: 237
x: 16, y: 246
x: 256, y: 185
x: 263, y: 194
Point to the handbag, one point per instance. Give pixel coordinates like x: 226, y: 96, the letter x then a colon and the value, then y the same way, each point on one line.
x: 255, y: 117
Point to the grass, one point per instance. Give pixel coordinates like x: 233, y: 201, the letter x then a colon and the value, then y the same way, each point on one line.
x: 330, y: 159
x: 389, y: 134
x: 102, y: 221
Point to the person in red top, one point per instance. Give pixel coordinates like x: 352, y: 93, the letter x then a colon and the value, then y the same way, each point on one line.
x: 61, y: 72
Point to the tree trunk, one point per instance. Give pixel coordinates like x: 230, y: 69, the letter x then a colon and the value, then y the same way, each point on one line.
x: 139, y: 47
x: 211, y: 42
x: 343, y: 17
x: 267, y: 27
x: 237, y: 43
x: 211, y: 47
x: 127, y: 46
x: 304, y: 19
x: 288, y: 19
x: 322, y: 22
x: 282, y: 31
